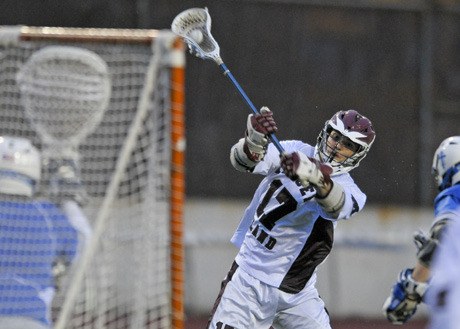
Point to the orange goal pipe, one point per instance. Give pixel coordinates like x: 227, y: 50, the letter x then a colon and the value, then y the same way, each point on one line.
x: 177, y: 98
x: 177, y: 182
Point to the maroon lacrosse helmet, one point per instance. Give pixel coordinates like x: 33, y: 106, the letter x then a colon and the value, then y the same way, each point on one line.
x: 354, y: 127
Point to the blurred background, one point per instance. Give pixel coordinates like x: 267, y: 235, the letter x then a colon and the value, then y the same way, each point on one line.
x: 397, y: 62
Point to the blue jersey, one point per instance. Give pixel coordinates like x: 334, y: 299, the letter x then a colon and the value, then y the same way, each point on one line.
x: 447, y: 204
x: 443, y: 296
x: 33, y: 235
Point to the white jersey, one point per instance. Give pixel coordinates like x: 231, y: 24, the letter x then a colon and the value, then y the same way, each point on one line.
x: 284, y: 233
x: 443, y: 295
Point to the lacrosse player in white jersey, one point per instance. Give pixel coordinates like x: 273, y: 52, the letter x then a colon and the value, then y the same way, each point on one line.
x: 409, y: 290
x: 35, y: 236
x: 288, y: 228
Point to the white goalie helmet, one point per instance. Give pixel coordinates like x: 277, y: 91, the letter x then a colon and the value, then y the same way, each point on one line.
x: 446, y: 163
x: 20, y: 166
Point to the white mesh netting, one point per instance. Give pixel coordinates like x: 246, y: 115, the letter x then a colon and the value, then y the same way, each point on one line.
x: 126, y: 283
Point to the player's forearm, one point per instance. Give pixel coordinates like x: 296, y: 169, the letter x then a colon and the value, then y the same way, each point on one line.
x: 421, y: 273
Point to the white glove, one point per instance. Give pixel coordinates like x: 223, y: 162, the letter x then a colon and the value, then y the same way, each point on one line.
x: 297, y: 166
x: 258, y: 127
x: 330, y: 196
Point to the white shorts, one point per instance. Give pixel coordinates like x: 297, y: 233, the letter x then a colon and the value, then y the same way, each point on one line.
x: 245, y: 302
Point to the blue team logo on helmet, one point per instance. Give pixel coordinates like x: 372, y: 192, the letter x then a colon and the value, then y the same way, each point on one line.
x: 446, y: 163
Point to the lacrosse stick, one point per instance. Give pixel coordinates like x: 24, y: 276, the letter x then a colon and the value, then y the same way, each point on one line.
x: 65, y: 92
x: 194, y: 25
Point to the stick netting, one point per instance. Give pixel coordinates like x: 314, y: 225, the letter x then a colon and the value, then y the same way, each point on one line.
x: 127, y: 281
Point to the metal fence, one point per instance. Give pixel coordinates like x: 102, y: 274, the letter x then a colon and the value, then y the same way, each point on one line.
x: 395, y: 61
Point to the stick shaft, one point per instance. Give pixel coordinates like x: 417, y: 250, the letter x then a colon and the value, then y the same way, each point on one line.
x: 229, y: 74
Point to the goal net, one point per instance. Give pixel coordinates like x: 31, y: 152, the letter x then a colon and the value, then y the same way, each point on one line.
x: 108, y: 104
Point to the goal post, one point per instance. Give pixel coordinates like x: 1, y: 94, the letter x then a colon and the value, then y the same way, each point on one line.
x: 131, y: 165
x: 178, y: 186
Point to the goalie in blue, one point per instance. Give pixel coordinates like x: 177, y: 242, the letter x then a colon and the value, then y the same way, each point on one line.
x: 409, y: 290
x: 35, y: 236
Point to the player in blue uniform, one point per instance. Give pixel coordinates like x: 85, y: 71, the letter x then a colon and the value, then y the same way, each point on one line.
x: 409, y: 290
x: 287, y: 229
x: 35, y: 235
x: 443, y: 297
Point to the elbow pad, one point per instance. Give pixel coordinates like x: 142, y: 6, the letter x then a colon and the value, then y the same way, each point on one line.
x: 429, y: 245
x: 240, y: 159
x: 334, y: 201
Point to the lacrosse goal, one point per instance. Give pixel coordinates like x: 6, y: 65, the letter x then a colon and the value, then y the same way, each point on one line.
x: 131, y: 166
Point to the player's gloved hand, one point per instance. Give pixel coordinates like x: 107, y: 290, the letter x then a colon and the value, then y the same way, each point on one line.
x: 65, y: 181
x: 258, y: 127
x: 406, y: 294
x: 262, y: 123
x: 297, y: 166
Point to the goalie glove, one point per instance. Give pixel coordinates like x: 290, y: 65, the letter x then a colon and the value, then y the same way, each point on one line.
x: 406, y: 294
x: 258, y: 127
x: 65, y: 181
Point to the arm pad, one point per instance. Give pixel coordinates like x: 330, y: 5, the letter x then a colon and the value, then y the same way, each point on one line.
x: 334, y: 201
x: 428, y: 247
x: 240, y: 159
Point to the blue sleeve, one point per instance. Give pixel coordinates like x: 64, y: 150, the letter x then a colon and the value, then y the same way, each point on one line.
x: 447, y: 203
x: 66, y: 236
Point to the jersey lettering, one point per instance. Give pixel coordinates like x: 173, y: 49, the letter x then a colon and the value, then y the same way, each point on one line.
x: 262, y: 236
x: 355, y: 205
x: 287, y: 205
x: 220, y: 325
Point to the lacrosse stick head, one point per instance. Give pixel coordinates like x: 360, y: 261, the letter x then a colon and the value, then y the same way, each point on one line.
x: 65, y: 92
x: 194, y: 25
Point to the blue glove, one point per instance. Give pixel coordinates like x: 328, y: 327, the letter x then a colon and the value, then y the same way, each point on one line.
x: 406, y: 294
